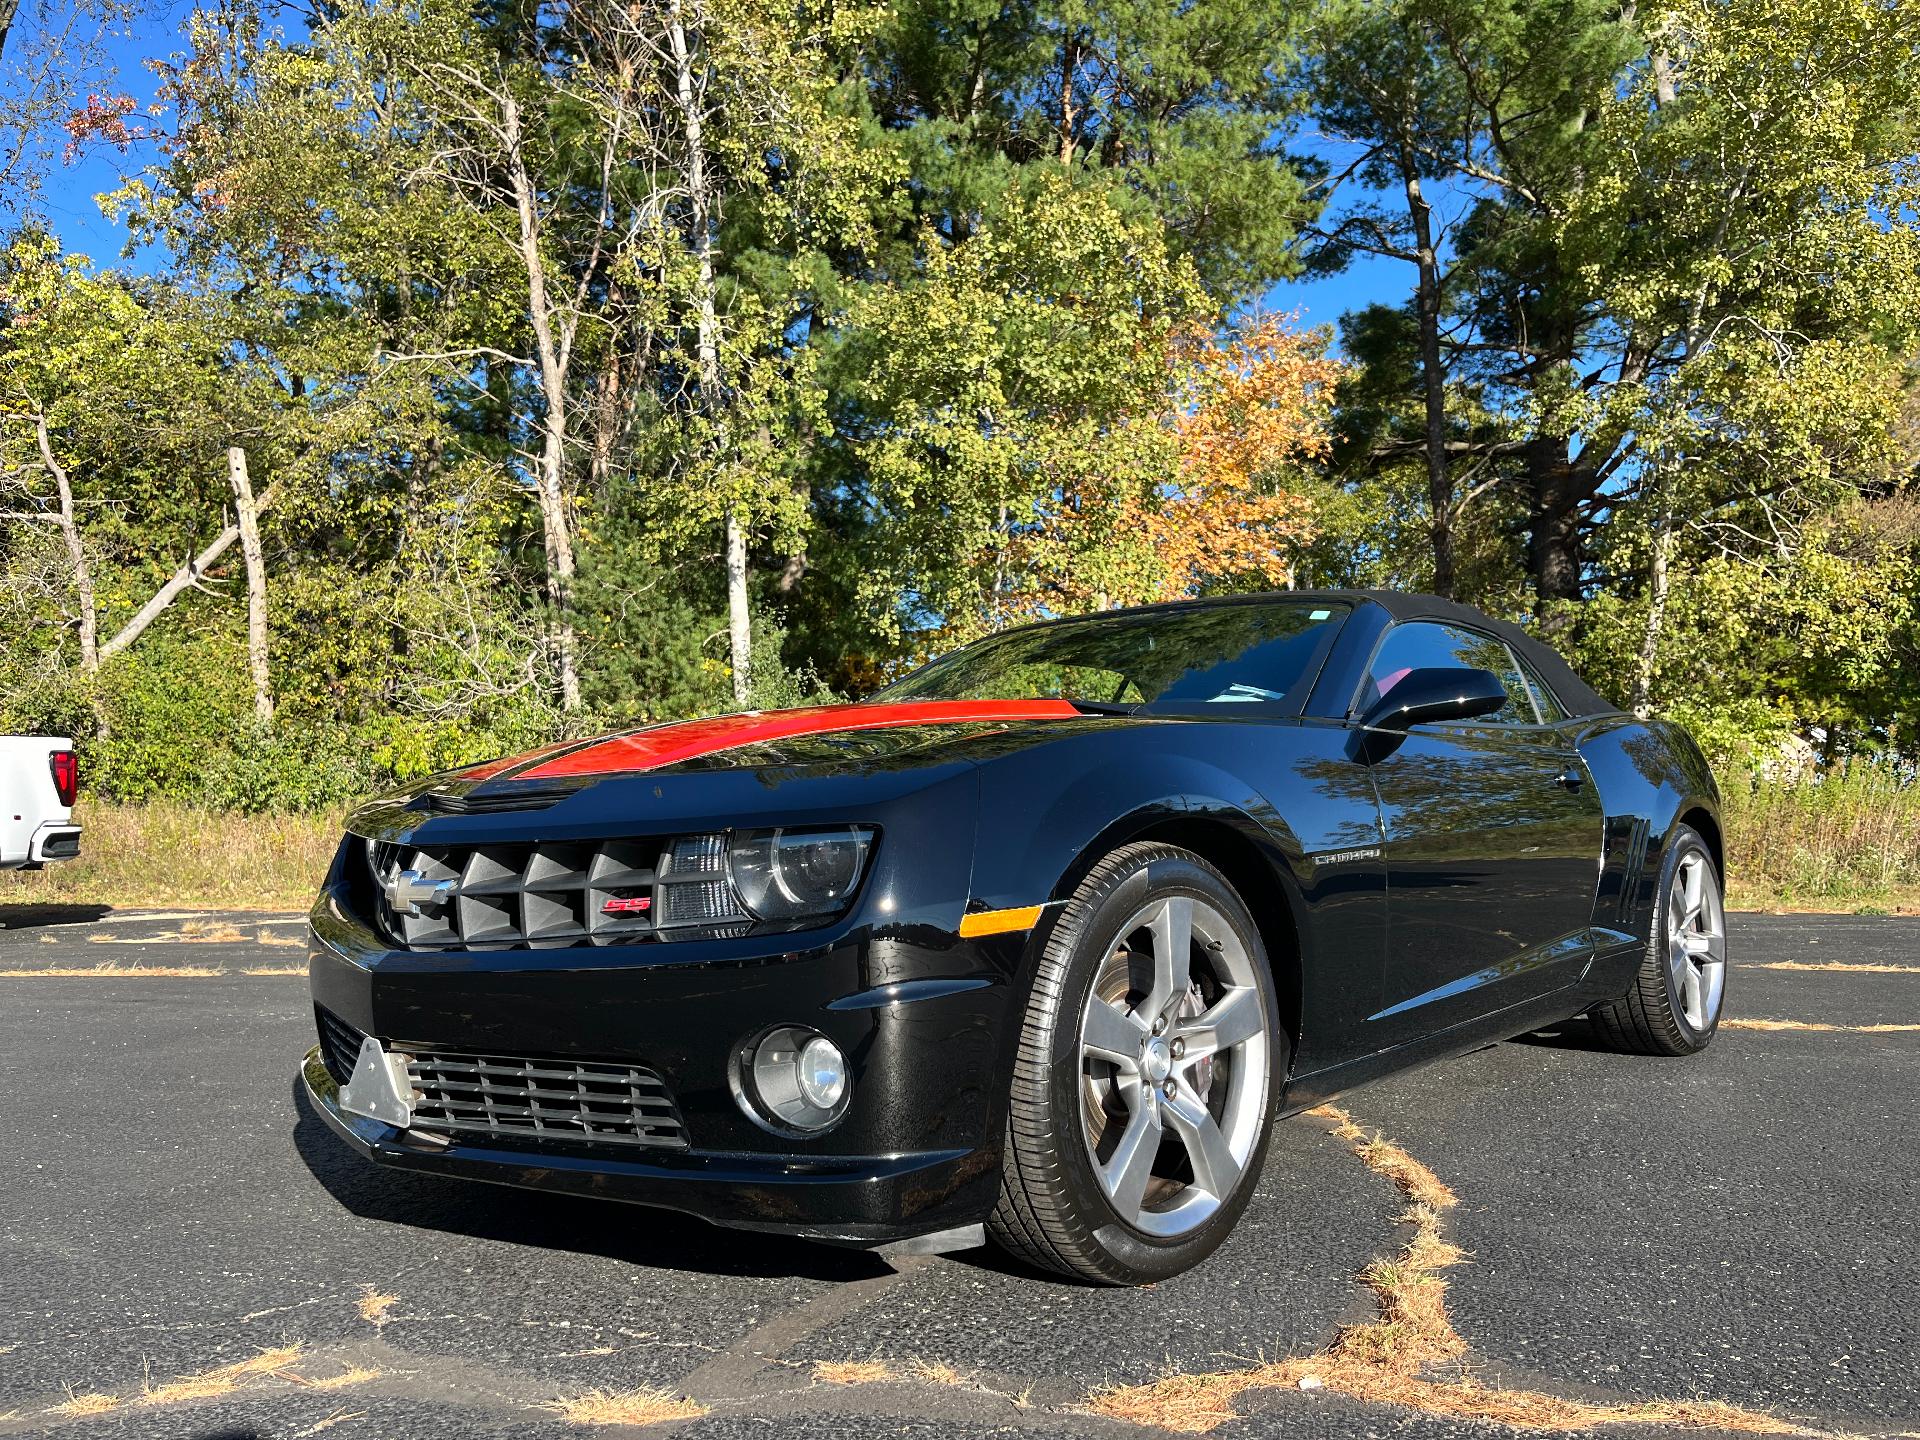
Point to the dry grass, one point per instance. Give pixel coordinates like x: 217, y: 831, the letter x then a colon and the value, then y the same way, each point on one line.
x: 193, y: 932
x: 327, y: 1422
x: 209, y: 1386
x: 177, y: 856
x: 274, y: 970
x: 852, y: 1372
x: 1839, y: 966
x: 91, y: 1402
x: 274, y: 1363
x: 354, y: 1375
x: 375, y: 1304
x: 111, y: 971
x: 1742, y: 1023
x: 1836, y: 840
x: 210, y: 932
x: 935, y: 1372
x: 646, y: 1406
x: 1393, y: 1360
x: 223, y: 1379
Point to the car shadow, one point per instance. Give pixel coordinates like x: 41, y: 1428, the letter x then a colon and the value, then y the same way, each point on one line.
x: 635, y: 1234
x: 1575, y: 1034
x: 34, y: 917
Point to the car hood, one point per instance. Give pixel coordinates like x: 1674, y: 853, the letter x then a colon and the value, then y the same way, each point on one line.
x: 742, y: 762
x: 742, y: 739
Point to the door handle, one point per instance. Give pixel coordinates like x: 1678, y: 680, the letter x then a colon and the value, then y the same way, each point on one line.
x: 1569, y: 779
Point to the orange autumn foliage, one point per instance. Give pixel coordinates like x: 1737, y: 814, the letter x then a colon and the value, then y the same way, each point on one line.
x: 1201, y: 493
x: 1250, y: 409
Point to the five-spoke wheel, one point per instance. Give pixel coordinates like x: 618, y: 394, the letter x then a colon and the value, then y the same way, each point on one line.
x: 1148, y: 1066
x: 1673, y: 1005
x: 1173, y: 1043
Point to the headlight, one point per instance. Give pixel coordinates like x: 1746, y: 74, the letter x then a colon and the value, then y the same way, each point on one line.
x: 788, y: 874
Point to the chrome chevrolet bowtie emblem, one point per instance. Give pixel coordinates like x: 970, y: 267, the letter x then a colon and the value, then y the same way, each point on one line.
x: 411, y: 893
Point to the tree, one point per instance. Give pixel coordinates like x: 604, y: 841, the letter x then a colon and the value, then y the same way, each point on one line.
x: 1007, y: 383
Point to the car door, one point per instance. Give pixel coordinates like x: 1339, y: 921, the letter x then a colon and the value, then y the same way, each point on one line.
x: 1492, y: 836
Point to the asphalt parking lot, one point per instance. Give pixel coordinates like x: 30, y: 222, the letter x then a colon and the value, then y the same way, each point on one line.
x: 185, y: 1252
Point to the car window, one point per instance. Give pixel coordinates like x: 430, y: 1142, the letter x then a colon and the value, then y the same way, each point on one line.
x: 1424, y: 644
x: 1552, y: 712
x: 1176, y: 659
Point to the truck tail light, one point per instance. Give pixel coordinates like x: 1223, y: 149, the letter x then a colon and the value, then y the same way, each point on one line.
x: 66, y: 775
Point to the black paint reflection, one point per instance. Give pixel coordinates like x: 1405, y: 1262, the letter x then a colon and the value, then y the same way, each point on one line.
x: 1491, y: 864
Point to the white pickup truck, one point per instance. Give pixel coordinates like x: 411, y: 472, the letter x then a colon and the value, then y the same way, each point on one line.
x: 38, y: 776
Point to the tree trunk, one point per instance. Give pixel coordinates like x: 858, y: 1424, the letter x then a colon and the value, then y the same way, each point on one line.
x: 700, y: 201
x: 554, y: 352
x: 1433, y: 379
x: 249, y: 526
x: 1553, y: 531
x: 1657, y: 583
x: 76, y: 552
x: 180, y: 580
x: 1069, y: 62
x: 610, y: 403
x: 739, y: 635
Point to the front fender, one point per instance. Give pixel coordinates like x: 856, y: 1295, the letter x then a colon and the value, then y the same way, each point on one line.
x: 1304, y: 850
x: 1036, y: 830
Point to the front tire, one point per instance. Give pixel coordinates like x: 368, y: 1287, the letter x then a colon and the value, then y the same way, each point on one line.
x: 1148, y: 1068
x: 1673, y: 1006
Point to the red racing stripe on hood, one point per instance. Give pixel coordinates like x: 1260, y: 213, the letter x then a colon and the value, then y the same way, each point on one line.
x: 669, y: 744
x: 487, y: 769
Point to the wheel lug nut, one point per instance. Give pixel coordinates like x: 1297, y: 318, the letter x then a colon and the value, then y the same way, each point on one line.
x: 1179, y: 1049
x: 1160, y: 1025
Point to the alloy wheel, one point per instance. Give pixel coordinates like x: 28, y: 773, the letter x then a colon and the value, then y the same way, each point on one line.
x: 1697, y: 941
x: 1174, y: 1061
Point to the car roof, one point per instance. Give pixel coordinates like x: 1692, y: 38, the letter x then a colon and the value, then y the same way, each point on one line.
x: 1574, y: 694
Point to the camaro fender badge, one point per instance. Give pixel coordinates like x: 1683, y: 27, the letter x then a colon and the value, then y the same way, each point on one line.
x: 379, y: 1087
x: 1342, y: 857
x: 411, y: 893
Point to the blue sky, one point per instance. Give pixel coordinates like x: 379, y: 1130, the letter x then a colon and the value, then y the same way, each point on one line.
x: 68, y: 195
x: 68, y: 198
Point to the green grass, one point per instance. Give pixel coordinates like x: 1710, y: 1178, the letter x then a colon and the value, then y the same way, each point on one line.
x: 1846, y: 839
x: 171, y: 855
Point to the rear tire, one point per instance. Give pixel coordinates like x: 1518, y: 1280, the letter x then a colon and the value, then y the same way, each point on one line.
x: 1148, y: 1067
x: 1673, y: 1006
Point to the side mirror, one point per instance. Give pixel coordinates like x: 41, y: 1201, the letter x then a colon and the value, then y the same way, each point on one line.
x: 1420, y: 697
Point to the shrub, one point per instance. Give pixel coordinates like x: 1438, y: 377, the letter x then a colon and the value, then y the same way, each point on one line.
x: 1851, y: 833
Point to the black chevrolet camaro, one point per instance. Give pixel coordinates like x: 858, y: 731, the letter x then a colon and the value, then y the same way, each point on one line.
x: 1040, y: 939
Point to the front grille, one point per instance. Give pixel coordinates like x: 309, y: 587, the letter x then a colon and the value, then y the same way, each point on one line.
x: 520, y: 1100
x: 339, y: 1045
x: 494, y: 897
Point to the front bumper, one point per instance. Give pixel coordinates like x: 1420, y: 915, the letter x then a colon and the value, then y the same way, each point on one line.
x: 922, y: 1015
x: 861, y: 1200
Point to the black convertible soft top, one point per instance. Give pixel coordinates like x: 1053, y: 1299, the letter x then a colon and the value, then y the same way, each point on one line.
x: 1579, y: 698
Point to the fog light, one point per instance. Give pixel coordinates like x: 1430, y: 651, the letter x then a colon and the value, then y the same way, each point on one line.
x: 792, y: 1079
x: 823, y: 1073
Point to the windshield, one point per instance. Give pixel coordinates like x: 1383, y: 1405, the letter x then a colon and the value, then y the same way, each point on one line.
x: 1173, y: 659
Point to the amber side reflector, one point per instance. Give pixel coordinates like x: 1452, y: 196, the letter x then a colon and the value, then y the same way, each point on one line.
x: 1000, y: 922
